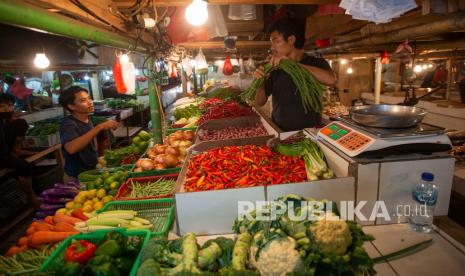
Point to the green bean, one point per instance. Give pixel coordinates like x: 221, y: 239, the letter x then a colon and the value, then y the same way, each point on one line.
x: 159, y: 187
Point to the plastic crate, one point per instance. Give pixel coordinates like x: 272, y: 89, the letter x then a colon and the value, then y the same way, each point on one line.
x: 56, y: 259
x: 155, y: 172
x: 126, y: 188
x: 160, y: 212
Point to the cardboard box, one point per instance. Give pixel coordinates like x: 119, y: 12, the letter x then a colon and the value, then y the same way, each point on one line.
x: 41, y: 141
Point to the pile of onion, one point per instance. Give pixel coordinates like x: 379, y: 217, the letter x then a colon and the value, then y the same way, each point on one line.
x: 169, y: 155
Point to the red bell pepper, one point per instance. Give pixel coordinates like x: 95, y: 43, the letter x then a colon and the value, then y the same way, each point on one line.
x: 80, y: 251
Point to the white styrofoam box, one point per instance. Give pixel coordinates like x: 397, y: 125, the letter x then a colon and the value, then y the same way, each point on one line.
x: 212, y: 212
x: 397, y: 180
x: 336, y: 189
x: 367, y: 189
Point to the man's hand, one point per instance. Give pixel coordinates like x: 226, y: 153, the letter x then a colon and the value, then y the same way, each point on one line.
x: 259, y: 73
x: 275, y: 60
x: 110, y: 124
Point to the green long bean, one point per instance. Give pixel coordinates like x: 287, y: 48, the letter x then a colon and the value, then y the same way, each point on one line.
x: 160, y: 187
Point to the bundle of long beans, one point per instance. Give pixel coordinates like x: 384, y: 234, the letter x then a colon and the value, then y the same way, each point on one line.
x: 311, y: 91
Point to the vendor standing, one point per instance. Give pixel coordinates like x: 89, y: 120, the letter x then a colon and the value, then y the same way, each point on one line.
x: 287, y: 41
x: 77, y: 132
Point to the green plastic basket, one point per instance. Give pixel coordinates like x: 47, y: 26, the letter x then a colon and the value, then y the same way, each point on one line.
x: 155, y: 172
x: 173, y: 130
x: 160, y: 212
x: 57, y: 259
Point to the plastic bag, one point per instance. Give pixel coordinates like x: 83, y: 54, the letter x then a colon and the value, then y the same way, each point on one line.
x: 118, y: 77
x: 216, y: 24
x: 227, y: 67
x: 129, y: 77
x: 186, y: 65
x: 200, y: 62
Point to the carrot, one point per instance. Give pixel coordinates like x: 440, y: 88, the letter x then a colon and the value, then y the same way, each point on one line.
x: 42, y: 226
x: 22, y: 248
x: 63, y: 227
x: 34, y: 223
x: 48, y: 219
x: 64, y: 218
x: 22, y: 241
x: 45, y: 237
x: 12, y: 251
x: 30, y: 230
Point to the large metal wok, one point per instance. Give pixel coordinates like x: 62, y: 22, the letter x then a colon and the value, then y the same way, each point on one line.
x: 387, y: 116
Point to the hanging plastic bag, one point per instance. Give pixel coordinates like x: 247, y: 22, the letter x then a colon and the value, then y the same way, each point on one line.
x: 186, y: 65
x: 216, y: 24
x: 242, y: 12
x: 227, y: 67
x: 201, y: 65
x: 129, y: 77
x: 118, y: 77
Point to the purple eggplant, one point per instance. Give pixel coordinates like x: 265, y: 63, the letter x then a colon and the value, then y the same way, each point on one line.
x: 43, y: 213
x: 66, y: 186
x: 50, y: 207
x: 55, y: 200
x: 74, y: 183
x: 60, y: 192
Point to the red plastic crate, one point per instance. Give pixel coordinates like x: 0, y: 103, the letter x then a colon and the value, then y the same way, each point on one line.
x: 126, y: 188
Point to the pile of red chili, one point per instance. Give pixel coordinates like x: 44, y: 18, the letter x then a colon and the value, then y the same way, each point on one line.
x: 228, y: 109
x: 242, y: 166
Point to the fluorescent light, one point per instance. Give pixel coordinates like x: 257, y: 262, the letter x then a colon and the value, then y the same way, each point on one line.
x: 41, y: 61
x: 196, y: 13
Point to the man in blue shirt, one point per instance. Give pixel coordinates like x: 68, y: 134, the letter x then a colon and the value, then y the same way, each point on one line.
x: 77, y: 132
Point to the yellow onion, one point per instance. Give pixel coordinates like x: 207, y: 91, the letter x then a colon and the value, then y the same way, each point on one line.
x: 171, y: 160
x: 138, y: 169
x: 160, y: 166
x: 182, y: 151
x: 177, y: 135
x: 185, y: 143
x: 175, y: 143
x: 151, y: 152
x: 160, y: 158
x: 159, y: 149
x: 188, y: 135
x: 146, y: 164
x: 171, y: 150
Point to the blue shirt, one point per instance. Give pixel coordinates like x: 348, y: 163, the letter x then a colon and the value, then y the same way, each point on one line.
x: 86, y: 159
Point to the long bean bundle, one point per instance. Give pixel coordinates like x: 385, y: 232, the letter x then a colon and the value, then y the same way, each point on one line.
x: 311, y: 91
x: 160, y: 187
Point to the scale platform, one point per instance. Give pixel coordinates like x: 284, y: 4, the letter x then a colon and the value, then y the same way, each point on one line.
x: 356, y: 140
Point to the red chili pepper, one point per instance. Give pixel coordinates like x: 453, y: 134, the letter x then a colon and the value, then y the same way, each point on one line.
x: 80, y: 251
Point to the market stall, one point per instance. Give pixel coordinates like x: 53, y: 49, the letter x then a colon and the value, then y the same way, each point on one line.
x: 220, y: 166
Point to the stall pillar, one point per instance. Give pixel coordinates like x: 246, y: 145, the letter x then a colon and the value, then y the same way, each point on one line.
x: 155, y: 106
x: 378, y: 69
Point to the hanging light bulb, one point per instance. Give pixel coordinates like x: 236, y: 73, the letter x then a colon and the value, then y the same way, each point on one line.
x: 417, y: 68
x: 41, y: 61
x: 424, y: 67
x: 136, y: 72
x: 196, y: 13
x: 124, y: 58
x: 430, y: 65
x: 343, y: 61
x: 86, y: 77
x: 350, y: 70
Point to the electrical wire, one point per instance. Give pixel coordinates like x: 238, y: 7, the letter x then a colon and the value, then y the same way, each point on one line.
x: 78, y: 4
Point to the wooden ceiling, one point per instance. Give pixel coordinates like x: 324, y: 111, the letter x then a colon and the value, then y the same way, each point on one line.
x: 347, y: 35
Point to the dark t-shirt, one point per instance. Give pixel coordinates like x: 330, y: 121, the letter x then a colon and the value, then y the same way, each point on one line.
x: 86, y: 159
x: 288, y: 112
x: 14, y: 130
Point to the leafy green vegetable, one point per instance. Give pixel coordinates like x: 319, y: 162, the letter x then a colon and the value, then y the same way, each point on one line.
x: 187, y: 112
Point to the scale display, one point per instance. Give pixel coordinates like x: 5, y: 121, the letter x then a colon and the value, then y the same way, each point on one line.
x: 353, y: 141
x: 350, y: 141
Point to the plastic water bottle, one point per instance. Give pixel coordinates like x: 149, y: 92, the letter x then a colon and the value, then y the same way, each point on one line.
x: 425, y: 195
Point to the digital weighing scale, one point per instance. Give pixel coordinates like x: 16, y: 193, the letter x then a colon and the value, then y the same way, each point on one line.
x: 357, y: 140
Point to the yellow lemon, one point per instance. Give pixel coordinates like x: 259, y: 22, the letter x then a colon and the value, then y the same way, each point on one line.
x: 68, y: 212
x: 82, y: 193
x: 77, y: 205
x: 87, y: 208
x: 95, y: 200
x: 91, y: 194
x: 98, y: 205
x: 87, y: 202
x: 61, y: 211
x: 69, y: 205
x: 114, y: 185
x: 108, y: 198
x: 101, y: 193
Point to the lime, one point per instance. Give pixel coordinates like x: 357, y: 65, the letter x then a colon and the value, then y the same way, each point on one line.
x: 144, y: 135
x: 91, y: 186
x: 113, y: 192
x: 136, y: 140
x: 98, y: 181
x: 109, y: 180
x: 114, y: 185
x: 105, y: 174
x: 143, y: 146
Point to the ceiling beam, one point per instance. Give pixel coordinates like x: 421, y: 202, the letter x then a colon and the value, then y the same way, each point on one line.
x: 220, y: 44
x: 160, y: 3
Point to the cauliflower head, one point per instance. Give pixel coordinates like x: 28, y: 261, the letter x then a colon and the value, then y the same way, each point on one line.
x: 332, y: 236
x: 279, y: 257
